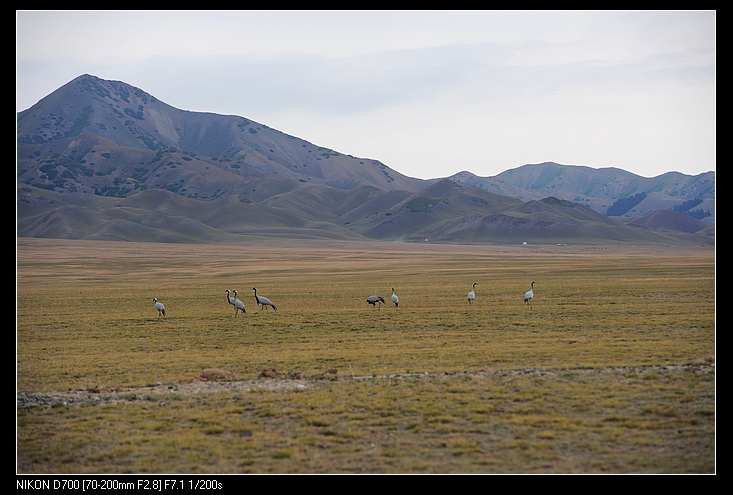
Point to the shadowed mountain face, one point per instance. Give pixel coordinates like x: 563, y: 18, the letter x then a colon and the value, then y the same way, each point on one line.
x: 610, y: 191
x: 669, y: 220
x: 104, y: 160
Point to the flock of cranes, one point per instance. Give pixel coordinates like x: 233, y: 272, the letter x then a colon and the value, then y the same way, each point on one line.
x: 376, y: 301
x: 238, y: 304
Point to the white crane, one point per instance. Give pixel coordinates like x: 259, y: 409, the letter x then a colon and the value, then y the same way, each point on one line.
x: 263, y: 301
x: 375, y: 300
x: 238, y: 304
x: 529, y: 295
x: 395, y: 299
x: 159, y: 306
x: 472, y: 293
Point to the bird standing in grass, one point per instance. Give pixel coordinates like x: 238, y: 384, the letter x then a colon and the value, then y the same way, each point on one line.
x: 238, y: 304
x: 159, y: 306
x: 395, y: 299
x: 529, y: 295
x: 375, y: 300
x: 472, y: 293
x: 263, y: 301
x: 231, y: 301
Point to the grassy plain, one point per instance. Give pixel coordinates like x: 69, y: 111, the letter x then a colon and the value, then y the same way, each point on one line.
x: 610, y: 371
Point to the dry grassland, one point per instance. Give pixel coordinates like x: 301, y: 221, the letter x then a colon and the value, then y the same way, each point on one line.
x: 611, y: 370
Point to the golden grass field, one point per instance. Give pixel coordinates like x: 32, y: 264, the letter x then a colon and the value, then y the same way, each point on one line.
x: 612, y: 370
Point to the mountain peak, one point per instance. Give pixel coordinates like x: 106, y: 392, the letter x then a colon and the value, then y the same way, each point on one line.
x: 463, y: 173
x: 106, y: 88
x: 543, y: 165
x: 86, y: 76
x: 85, y: 80
x: 552, y: 200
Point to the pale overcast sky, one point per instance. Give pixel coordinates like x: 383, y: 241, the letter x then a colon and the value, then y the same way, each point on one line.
x: 427, y: 93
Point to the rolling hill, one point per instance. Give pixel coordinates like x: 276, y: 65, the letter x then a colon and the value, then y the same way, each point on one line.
x: 669, y: 220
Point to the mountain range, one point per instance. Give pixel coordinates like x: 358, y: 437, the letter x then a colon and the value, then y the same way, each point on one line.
x: 610, y: 191
x: 100, y: 159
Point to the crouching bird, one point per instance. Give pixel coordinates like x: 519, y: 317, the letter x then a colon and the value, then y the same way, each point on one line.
x: 375, y: 300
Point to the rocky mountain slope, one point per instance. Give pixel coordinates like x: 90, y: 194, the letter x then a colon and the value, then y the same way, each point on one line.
x: 610, y: 191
